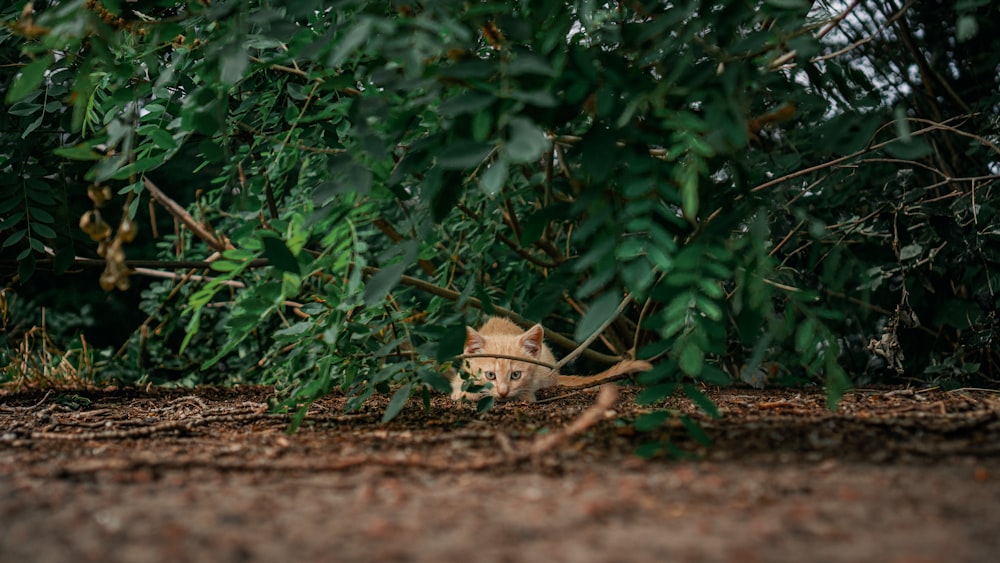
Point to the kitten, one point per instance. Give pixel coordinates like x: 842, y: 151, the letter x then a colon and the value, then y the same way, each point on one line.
x: 513, y: 379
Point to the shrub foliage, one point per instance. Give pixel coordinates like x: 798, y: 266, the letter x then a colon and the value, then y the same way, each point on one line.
x: 767, y: 191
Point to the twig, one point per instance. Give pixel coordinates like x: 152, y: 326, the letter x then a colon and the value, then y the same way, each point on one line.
x: 956, y: 131
x: 145, y: 431
x: 299, y: 72
x: 606, y: 399
x: 862, y: 41
x: 583, y: 345
x: 836, y: 20
x: 184, y: 217
x: 174, y: 276
x: 31, y: 408
x: 845, y: 158
x: 41, y: 402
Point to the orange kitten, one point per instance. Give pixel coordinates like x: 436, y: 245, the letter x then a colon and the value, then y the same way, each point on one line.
x: 513, y: 379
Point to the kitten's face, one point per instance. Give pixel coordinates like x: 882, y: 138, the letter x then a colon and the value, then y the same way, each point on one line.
x: 510, y: 379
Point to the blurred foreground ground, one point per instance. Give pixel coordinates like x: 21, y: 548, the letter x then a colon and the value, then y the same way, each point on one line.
x: 206, y: 475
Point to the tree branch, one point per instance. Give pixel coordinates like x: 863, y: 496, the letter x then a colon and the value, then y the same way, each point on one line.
x: 184, y: 217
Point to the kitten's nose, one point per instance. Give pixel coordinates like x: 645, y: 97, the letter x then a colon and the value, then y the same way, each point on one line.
x: 502, y: 392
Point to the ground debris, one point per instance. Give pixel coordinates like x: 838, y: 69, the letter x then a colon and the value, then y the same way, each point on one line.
x: 211, y: 474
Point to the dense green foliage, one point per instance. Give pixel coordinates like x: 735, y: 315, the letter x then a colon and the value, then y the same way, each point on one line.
x: 780, y: 189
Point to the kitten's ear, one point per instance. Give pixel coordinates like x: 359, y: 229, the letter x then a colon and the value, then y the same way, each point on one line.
x: 531, y: 341
x: 473, y: 341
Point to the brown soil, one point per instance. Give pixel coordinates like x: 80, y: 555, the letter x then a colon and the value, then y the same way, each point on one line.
x: 207, y: 475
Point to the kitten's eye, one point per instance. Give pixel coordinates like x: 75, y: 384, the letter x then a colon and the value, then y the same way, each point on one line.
x: 490, y: 375
x: 515, y: 375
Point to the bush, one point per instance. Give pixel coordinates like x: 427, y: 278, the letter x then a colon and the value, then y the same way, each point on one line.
x: 765, y: 191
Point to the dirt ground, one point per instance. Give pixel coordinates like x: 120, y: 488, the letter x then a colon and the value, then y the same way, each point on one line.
x: 893, y: 476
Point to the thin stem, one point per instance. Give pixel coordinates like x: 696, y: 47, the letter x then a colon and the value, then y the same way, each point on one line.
x: 583, y: 345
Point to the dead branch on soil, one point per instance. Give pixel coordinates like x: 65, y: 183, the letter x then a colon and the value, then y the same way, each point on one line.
x: 152, y: 429
x: 606, y: 398
x: 257, y: 412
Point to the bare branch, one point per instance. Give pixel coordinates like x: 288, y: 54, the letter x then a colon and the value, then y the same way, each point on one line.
x: 184, y: 217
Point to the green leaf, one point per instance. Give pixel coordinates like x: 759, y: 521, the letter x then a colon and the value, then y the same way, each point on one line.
x: 12, y: 219
x: 601, y: 310
x: 804, y: 337
x: 492, y: 180
x: 913, y: 149
x: 233, y: 63
x: 648, y: 451
x: 910, y: 251
x: 296, y: 329
x: 224, y: 266
x: 710, y: 308
x: 26, y: 267
x: 527, y: 142
x: 468, y: 102
x: 350, y: 42
x: 238, y: 254
x: 692, y: 358
x: 278, y: 255
x: 966, y: 27
x: 482, y: 126
x: 137, y: 167
x: 32, y: 126
x: 29, y: 78
x: 163, y: 139
x: 485, y: 403
x: 655, y: 393
x: 540, y: 98
x: 695, y: 430
x: 78, y: 152
x: 534, y: 226
x: 837, y: 382
x: 599, y: 153
x: 39, y: 214
x: 243, y: 323
x: 398, y: 401
x: 529, y: 63
x: 651, y: 420
x: 43, y: 230
x: 689, y: 193
x: 702, y: 400
x: 437, y: 381
x: 463, y: 155
x: 24, y: 108
x: 469, y: 69
x: 65, y: 257
x: 714, y: 376
x: 452, y: 343
x: 14, y: 238
x: 903, y: 131
x: 380, y: 284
